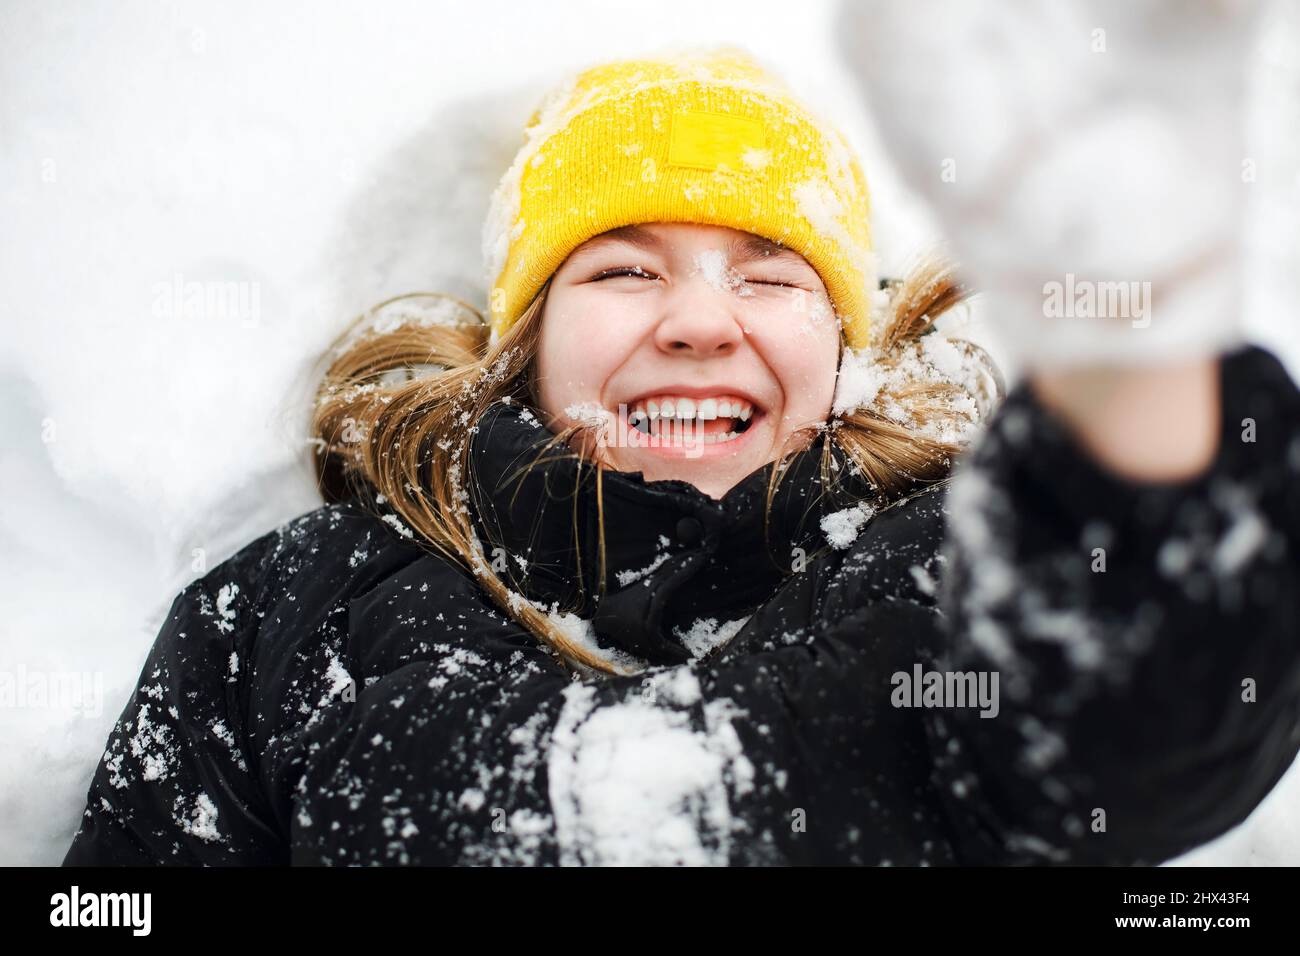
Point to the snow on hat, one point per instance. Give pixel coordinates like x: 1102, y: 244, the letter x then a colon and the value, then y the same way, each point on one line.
x: 704, y: 136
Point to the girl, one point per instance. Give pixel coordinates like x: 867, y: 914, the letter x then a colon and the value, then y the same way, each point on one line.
x: 629, y: 574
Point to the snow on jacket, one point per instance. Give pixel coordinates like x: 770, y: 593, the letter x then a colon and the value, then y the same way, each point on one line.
x: 334, y: 693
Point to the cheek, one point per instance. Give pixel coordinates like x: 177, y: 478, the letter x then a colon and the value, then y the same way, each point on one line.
x: 581, y: 346
x: 803, y: 353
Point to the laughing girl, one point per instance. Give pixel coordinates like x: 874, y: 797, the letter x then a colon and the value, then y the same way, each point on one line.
x: 660, y: 562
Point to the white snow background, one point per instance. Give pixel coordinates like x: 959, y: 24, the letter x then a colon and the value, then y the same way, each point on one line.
x: 327, y: 156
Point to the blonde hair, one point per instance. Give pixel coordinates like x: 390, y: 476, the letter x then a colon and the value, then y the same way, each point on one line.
x: 393, y: 410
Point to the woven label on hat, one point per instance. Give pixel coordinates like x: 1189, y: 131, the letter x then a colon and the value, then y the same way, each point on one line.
x: 709, y: 140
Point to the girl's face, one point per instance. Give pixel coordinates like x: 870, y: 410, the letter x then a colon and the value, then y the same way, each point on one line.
x: 701, y: 348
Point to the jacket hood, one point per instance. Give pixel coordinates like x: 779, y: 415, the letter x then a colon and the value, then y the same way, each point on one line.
x: 674, y: 555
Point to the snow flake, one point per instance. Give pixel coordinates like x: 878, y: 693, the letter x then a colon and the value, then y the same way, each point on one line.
x: 842, y: 527
x: 395, y: 523
x: 705, y: 634
x: 224, y: 597
x: 202, y: 821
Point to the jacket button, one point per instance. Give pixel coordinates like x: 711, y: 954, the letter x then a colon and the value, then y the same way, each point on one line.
x: 689, y: 530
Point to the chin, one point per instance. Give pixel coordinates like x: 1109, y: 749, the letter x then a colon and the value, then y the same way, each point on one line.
x: 708, y: 477
x: 717, y: 489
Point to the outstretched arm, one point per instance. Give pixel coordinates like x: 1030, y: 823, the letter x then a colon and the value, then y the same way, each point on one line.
x: 1143, y: 630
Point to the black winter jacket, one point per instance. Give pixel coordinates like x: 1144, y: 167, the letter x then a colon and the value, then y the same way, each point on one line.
x: 334, y: 693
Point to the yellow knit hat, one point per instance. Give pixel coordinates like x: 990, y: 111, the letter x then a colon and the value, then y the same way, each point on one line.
x: 704, y: 137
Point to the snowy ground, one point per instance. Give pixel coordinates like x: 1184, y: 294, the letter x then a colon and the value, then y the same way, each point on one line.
x: 321, y: 158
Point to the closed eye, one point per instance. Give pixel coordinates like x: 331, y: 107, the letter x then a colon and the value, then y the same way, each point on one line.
x: 635, y: 271
x: 778, y: 284
x: 639, y: 273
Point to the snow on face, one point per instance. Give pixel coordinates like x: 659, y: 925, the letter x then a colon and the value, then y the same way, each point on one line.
x: 685, y: 309
x: 713, y: 266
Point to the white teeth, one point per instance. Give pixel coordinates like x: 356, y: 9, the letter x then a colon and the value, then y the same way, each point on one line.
x: 705, y: 409
x: 678, y: 431
x: 673, y: 420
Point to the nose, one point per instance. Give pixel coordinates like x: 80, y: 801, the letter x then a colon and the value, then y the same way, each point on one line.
x: 700, y: 321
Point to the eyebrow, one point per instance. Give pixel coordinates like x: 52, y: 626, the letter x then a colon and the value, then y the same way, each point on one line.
x: 743, y: 248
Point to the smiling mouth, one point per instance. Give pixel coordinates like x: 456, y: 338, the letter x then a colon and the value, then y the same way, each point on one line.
x: 682, y: 421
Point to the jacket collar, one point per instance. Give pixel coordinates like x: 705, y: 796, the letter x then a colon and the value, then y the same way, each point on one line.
x: 673, y: 554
